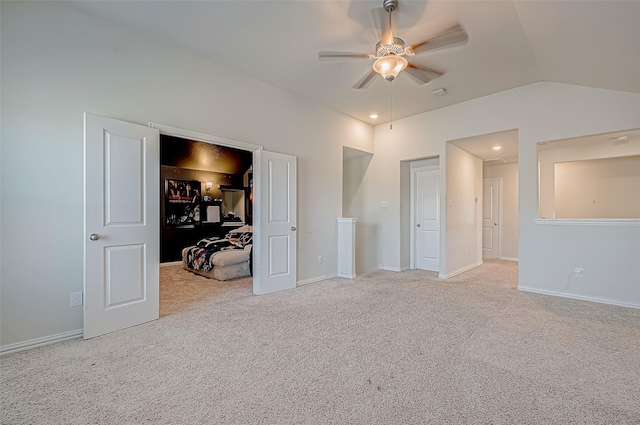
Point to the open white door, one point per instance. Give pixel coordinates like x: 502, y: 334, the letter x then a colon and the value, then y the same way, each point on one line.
x: 121, y: 214
x: 274, y: 253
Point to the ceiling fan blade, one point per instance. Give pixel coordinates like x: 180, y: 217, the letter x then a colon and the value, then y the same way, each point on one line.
x: 421, y: 74
x: 453, y: 36
x: 382, y: 21
x: 365, y: 81
x: 328, y: 56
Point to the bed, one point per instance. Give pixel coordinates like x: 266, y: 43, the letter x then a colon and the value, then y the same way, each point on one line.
x: 221, y: 259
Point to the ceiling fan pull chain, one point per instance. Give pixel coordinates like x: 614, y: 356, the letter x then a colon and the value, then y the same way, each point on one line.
x: 390, y: 106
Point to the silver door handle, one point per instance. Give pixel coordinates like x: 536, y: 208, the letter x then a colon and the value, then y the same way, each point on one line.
x: 293, y: 229
x: 94, y: 236
x: 417, y: 225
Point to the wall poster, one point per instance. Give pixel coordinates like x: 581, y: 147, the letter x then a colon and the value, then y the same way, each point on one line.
x: 182, y: 203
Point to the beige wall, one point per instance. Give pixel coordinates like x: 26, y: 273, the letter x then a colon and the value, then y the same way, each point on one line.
x: 548, y: 156
x: 463, y: 211
x: 353, y: 172
x: 598, y: 188
x: 508, y: 173
x: 57, y: 63
x: 548, y: 252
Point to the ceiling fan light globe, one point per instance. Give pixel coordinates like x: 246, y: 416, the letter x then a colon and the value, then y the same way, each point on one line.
x: 390, y: 66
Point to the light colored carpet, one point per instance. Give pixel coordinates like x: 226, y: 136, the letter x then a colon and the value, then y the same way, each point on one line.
x: 384, y: 348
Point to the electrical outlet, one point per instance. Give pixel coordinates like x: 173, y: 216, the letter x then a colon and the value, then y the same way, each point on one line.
x: 76, y: 299
x: 384, y: 204
x: 320, y: 259
x: 579, y: 272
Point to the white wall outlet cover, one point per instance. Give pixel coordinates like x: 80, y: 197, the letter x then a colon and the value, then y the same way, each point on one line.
x: 384, y: 204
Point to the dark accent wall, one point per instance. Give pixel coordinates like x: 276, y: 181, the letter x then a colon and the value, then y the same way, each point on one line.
x: 194, y: 155
x: 182, y: 159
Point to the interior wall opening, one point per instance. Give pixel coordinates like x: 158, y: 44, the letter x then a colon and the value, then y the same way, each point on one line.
x: 482, y: 206
x: 354, y: 169
x: 592, y: 177
x: 206, y: 213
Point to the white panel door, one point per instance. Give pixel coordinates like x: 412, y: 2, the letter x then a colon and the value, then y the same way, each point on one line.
x: 121, y: 211
x: 426, y: 220
x: 490, y: 219
x: 274, y: 255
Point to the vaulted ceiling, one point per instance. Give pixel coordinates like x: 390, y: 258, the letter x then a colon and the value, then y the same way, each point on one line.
x: 511, y: 44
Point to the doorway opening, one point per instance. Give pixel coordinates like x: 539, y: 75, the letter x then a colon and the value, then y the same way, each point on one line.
x: 355, y: 164
x: 206, y: 220
x: 494, y: 229
x: 122, y: 221
x: 420, y: 189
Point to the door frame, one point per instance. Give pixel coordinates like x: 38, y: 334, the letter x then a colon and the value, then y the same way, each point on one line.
x: 412, y: 211
x: 215, y: 140
x: 500, y: 210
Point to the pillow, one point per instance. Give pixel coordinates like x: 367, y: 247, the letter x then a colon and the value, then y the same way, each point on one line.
x: 240, y: 239
x: 212, y: 243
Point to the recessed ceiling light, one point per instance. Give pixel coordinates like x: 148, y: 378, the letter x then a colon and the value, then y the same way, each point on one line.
x: 439, y: 92
x: 496, y: 148
x: 373, y: 116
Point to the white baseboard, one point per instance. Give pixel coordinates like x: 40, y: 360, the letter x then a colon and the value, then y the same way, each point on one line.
x: 392, y: 269
x: 172, y: 263
x: 315, y: 279
x: 39, y: 342
x: 508, y: 259
x: 578, y: 297
x: 346, y: 276
x: 457, y: 272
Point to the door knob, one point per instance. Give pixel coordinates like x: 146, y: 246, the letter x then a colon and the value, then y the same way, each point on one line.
x: 293, y: 229
x: 94, y: 236
x: 495, y: 224
x: 418, y: 225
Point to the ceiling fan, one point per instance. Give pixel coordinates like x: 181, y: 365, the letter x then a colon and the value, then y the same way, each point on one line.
x: 390, y: 51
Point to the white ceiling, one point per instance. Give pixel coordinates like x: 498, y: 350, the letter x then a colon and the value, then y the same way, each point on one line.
x: 482, y: 147
x: 511, y: 44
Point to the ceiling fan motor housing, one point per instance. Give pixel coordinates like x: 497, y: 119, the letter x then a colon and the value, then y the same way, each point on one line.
x: 397, y: 48
x: 390, y: 5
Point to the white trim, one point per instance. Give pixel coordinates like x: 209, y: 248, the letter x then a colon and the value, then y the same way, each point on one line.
x: 347, y: 220
x: 589, y: 221
x: 315, y: 279
x: 457, y: 272
x: 578, y: 297
x: 40, y: 342
x: 392, y: 269
x: 202, y: 137
x: 171, y: 263
x: 508, y: 259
